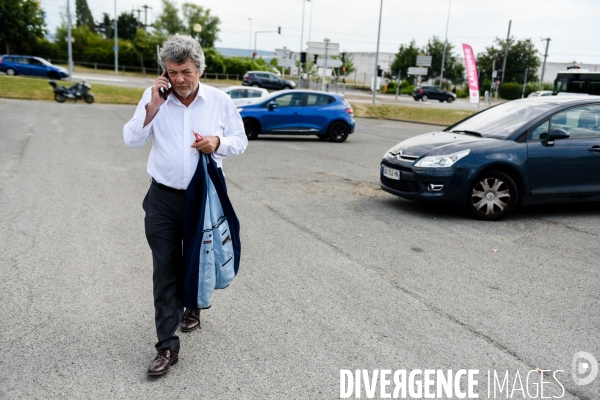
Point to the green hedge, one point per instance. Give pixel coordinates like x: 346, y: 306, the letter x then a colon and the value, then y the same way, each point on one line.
x: 510, y: 91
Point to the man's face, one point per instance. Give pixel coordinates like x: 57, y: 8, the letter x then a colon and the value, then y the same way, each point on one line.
x: 184, y: 77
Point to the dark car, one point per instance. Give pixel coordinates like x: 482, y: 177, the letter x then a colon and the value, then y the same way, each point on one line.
x: 300, y: 112
x: 30, y: 65
x: 266, y: 80
x: 540, y: 150
x: 425, y: 93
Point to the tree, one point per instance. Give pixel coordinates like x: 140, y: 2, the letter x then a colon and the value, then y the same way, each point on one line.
x: 522, y: 54
x: 405, y: 58
x: 83, y: 15
x: 127, y: 26
x: 435, y: 48
x: 195, y: 14
x: 20, y: 22
x: 168, y: 21
x: 106, y: 27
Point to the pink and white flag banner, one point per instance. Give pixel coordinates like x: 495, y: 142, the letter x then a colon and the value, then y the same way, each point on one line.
x: 471, y: 65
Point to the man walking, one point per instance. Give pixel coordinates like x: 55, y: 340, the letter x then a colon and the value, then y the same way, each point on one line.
x: 173, y: 112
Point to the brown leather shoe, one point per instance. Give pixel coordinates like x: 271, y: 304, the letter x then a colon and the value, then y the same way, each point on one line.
x: 163, y: 361
x: 191, y: 320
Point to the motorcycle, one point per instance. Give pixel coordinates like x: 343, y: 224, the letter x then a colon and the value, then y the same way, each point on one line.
x: 76, y: 92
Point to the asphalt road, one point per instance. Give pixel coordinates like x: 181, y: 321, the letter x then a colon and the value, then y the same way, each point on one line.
x: 335, y: 273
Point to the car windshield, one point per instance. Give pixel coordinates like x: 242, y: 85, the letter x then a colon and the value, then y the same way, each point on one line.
x: 503, y: 120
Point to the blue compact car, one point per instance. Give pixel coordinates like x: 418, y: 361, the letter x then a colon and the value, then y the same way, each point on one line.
x: 33, y: 66
x: 299, y: 112
x: 530, y: 151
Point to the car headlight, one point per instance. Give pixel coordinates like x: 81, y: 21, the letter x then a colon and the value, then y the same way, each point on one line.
x: 240, y: 109
x: 293, y: 84
x: 443, y: 161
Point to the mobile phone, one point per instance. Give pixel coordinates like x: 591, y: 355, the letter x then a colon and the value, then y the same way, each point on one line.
x: 163, y: 92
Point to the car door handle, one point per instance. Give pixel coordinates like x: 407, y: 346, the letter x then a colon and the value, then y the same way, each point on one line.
x: 594, y: 148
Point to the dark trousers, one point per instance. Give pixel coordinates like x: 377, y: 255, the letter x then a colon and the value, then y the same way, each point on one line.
x: 164, y: 232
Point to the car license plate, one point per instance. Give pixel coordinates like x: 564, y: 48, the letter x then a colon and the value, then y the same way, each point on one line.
x: 390, y: 173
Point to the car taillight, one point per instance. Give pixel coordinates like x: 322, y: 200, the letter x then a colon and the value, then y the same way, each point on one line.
x: 420, y: 90
x: 246, y: 76
x: 0, y: 60
x: 349, y: 110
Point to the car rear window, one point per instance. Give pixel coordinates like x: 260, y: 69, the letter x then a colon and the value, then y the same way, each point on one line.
x: 319, y: 100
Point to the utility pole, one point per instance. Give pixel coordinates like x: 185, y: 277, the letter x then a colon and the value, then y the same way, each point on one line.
x: 505, y: 54
x: 69, y: 40
x: 325, y: 65
x: 545, y: 56
x: 145, y: 7
x: 445, y: 44
x: 116, y: 48
x: 138, y: 11
x: 301, y: 45
x: 377, y: 56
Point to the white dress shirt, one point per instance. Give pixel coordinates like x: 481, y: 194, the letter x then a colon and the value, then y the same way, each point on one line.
x: 172, y: 161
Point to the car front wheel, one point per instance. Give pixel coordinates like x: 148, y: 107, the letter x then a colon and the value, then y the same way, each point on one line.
x: 450, y: 99
x: 424, y: 98
x: 54, y: 76
x: 252, y: 128
x: 492, y: 196
x: 338, y: 132
x: 11, y: 72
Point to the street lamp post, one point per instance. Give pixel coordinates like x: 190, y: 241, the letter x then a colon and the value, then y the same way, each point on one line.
x: 69, y: 40
x: 250, y: 37
x: 197, y: 28
x: 116, y: 48
x: 301, y: 44
x: 445, y: 44
x: 377, y: 56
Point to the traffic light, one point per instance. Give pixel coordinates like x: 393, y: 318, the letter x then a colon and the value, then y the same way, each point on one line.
x: 344, y: 68
x: 303, y: 57
x: 499, y: 75
x: 279, y: 30
x: 379, y: 71
x: 315, y: 56
x: 497, y: 64
x: 343, y: 58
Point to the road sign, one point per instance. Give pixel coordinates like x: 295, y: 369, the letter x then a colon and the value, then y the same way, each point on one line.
x: 424, y: 61
x: 285, y: 58
x: 331, y: 63
x: 333, y: 49
x: 327, y: 73
x: 417, y: 71
x: 115, y: 48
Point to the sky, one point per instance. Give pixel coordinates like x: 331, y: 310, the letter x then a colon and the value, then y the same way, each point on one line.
x: 571, y: 24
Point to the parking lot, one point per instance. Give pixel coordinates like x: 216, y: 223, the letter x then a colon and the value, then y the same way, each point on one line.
x: 335, y: 273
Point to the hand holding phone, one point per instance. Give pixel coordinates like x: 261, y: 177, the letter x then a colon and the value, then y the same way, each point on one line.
x: 163, y: 92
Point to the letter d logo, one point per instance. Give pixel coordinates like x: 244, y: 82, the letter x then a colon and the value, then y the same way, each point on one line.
x: 584, y: 368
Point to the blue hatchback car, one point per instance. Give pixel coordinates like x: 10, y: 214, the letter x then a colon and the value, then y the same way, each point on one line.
x: 530, y: 151
x: 299, y: 112
x: 30, y: 65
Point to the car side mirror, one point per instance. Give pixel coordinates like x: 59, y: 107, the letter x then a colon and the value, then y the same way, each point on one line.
x: 555, y: 134
x: 272, y: 105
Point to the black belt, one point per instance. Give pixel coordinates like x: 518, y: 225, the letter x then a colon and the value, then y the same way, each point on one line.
x: 167, y: 188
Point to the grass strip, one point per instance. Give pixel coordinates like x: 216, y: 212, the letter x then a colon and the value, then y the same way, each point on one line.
x: 18, y: 87
x: 410, y: 114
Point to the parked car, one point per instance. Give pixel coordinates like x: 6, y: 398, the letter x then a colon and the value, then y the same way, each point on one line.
x: 30, y: 65
x: 425, y: 93
x: 529, y: 151
x: 540, y: 93
x: 300, y: 112
x: 266, y: 80
x: 245, y: 95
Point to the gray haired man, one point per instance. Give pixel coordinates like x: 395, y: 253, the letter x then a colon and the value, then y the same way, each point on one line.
x: 173, y: 112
